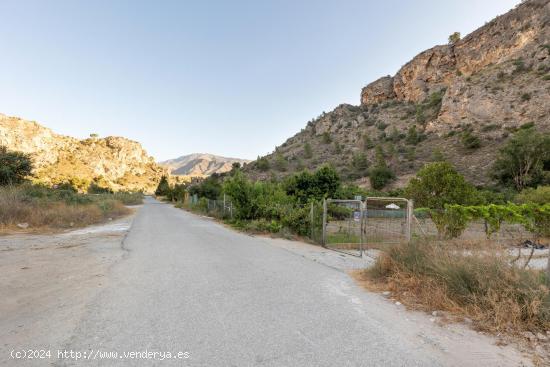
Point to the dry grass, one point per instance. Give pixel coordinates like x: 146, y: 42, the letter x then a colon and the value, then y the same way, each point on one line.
x: 55, y: 209
x: 480, y: 285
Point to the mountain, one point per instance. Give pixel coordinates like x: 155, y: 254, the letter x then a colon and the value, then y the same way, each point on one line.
x: 200, y: 164
x: 462, y: 101
x: 115, y: 162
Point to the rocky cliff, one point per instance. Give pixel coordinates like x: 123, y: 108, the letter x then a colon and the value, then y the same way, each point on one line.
x: 487, y: 85
x: 201, y: 164
x: 114, y: 162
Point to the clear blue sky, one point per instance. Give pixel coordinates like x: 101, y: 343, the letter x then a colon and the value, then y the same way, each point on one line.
x: 233, y: 78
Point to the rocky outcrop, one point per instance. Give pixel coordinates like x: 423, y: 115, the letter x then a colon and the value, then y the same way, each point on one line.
x: 430, y: 71
x: 488, y: 85
x: 115, y: 162
x: 516, y: 35
x: 378, y: 91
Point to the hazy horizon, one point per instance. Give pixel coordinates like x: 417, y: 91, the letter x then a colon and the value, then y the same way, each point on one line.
x: 232, y: 79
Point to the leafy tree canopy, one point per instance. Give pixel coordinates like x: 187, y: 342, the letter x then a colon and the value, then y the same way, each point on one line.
x: 14, y: 167
x: 437, y: 184
x: 525, y: 160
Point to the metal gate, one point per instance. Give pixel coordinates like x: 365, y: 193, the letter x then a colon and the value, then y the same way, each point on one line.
x: 388, y: 220
x: 343, y: 222
x: 351, y: 226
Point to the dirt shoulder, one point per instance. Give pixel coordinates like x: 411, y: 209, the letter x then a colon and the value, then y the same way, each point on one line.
x: 48, y: 279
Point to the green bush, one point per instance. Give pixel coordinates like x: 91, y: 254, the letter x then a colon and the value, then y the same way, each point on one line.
x: 380, y: 175
x: 470, y: 141
x: 413, y: 137
x: 177, y: 193
x: 281, y: 163
x: 263, y: 164
x: 307, y: 151
x: 305, y: 186
x: 540, y: 195
x: 454, y: 38
x: 210, y: 187
x: 437, y: 184
x: 360, y: 164
x: 163, y: 187
x: 14, y: 167
x: 523, y: 161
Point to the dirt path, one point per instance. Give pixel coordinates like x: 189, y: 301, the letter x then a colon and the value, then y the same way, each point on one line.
x: 48, y: 279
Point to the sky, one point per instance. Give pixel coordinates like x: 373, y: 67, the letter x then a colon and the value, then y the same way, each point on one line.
x: 234, y: 78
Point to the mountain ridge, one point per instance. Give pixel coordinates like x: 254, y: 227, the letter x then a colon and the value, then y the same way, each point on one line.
x: 201, y: 164
x: 114, y: 162
x: 462, y: 100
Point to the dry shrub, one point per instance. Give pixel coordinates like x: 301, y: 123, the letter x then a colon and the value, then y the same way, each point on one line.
x: 480, y: 285
x: 55, y: 211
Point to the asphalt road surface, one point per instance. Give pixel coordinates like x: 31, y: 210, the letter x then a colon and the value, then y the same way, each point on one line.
x: 210, y: 296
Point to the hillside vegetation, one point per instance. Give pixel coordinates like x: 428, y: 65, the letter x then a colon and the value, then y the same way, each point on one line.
x: 460, y: 102
x: 115, y: 163
x: 28, y: 206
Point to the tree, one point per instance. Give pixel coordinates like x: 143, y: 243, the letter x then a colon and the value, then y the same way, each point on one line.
x: 380, y: 175
x: 262, y: 163
x: 235, y: 165
x: 209, y: 188
x: 437, y: 184
x: 454, y: 38
x: 412, y: 136
x: 307, y: 151
x: 280, y: 162
x: 240, y: 191
x: 523, y: 161
x: 163, y: 187
x: 324, y: 183
x: 327, y: 139
x: 14, y: 167
x: 360, y: 164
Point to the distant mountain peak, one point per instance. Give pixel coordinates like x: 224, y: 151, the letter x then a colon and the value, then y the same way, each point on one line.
x: 200, y: 164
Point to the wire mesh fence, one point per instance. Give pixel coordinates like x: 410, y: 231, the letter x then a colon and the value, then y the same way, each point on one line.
x: 220, y: 208
x: 426, y: 226
x: 343, y: 222
x: 387, y: 220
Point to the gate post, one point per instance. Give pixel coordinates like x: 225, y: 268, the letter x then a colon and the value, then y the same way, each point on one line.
x: 410, y: 213
x: 324, y: 222
x: 362, y: 210
x: 311, y: 229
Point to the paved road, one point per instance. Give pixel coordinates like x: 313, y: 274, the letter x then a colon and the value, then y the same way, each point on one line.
x: 187, y: 284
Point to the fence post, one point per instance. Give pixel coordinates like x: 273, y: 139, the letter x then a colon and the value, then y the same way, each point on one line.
x: 362, y: 211
x: 311, y: 221
x: 410, y: 214
x: 324, y: 222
